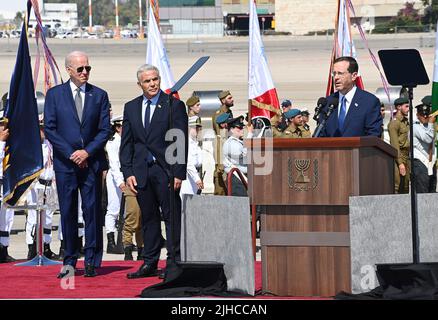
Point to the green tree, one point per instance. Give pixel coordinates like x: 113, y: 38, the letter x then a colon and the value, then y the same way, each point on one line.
x: 430, y: 11
x: 18, y: 20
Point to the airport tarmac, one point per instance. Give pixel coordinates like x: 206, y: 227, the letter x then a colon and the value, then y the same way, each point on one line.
x: 299, y: 68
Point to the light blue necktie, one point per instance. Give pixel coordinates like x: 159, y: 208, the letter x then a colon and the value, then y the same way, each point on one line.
x: 342, y: 113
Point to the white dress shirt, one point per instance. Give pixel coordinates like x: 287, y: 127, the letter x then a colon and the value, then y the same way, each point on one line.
x: 73, y: 88
x: 348, y: 98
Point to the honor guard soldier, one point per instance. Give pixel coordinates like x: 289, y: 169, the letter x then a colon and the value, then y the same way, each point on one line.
x: 424, y: 163
x: 293, y: 130
x: 305, y: 117
x: 286, y: 105
x: 227, y: 102
x: 6, y: 215
x: 398, y: 130
x: 193, y: 106
x: 44, y: 184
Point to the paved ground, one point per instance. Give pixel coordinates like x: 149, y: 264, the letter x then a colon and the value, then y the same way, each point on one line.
x: 299, y: 67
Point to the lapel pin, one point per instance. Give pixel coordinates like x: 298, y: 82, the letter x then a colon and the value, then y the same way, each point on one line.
x: 159, y: 106
x: 356, y: 105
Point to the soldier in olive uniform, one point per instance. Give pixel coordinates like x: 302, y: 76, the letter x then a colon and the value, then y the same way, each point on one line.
x: 398, y: 130
x: 294, y: 129
x: 227, y: 102
x: 285, y: 106
x: 193, y: 106
x: 305, y: 127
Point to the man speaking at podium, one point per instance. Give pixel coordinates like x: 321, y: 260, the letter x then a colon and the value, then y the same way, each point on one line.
x: 357, y: 112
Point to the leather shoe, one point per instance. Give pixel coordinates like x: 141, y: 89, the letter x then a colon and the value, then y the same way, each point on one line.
x: 67, y: 271
x: 146, y: 270
x: 90, y: 271
x: 162, y: 274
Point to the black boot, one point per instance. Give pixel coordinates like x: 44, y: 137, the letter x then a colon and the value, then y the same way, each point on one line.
x: 61, y: 251
x: 128, y: 253
x: 139, y: 253
x: 4, y: 256
x: 49, y: 254
x: 111, y: 245
x: 32, y: 251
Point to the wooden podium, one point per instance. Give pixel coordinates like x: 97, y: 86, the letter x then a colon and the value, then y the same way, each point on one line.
x: 304, y: 237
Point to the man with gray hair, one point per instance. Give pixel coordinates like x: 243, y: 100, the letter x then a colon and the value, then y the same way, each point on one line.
x: 146, y: 166
x: 77, y: 124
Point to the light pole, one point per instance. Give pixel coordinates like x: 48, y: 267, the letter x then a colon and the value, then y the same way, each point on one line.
x: 232, y: 19
x: 117, y: 31
x: 263, y: 25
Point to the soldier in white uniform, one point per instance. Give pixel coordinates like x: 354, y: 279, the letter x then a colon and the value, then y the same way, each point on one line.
x: 114, y: 185
x: 235, y: 155
x: 424, y: 164
x: 193, y: 183
x: 6, y: 215
x: 44, y: 182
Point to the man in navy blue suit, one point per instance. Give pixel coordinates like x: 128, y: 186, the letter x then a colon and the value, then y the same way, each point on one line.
x: 77, y: 124
x: 146, y: 157
x: 357, y: 112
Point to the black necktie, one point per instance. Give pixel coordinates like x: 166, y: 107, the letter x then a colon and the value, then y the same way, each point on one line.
x: 147, y: 121
x: 147, y: 115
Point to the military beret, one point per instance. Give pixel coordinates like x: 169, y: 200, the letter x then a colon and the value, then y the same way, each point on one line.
x: 223, y: 117
x: 427, y: 100
x: 292, y: 113
x: 305, y: 112
x: 192, y: 101
x: 236, y: 122
x: 223, y: 94
x: 286, y: 103
x: 423, y: 109
x: 195, y: 121
x: 400, y: 101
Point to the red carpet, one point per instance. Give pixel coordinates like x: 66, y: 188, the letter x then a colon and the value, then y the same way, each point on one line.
x: 41, y: 282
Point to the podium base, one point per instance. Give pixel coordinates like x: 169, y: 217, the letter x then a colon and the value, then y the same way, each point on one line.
x: 38, y: 261
x: 187, y: 279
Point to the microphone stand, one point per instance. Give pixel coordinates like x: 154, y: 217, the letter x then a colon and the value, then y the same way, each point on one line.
x: 322, y: 124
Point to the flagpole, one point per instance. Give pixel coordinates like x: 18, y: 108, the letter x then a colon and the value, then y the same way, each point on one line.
x: 141, y: 31
x: 90, y: 17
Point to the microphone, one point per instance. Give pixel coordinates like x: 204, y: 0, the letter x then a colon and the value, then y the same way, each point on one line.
x: 333, y: 105
x: 320, y: 104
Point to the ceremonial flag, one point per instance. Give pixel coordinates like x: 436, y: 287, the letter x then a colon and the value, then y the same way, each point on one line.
x: 23, y: 161
x: 262, y: 94
x: 435, y: 77
x: 156, y: 53
x: 344, y: 45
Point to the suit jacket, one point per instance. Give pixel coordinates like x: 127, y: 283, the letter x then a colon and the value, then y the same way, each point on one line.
x: 67, y: 134
x: 136, y: 141
x: 363, y: 117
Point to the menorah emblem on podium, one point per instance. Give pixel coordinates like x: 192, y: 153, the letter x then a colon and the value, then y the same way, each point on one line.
x: 302, y: 165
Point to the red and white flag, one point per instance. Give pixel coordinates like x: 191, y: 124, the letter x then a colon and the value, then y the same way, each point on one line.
x: 156, y: 53
x: 260, y: 85
x: 344, y: 45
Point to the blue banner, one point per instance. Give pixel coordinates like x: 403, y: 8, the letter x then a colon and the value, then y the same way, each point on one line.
x: 23, y: 160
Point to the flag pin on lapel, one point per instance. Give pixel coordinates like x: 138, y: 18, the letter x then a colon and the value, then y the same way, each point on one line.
x: 158, y: 105
x: 356, y: 105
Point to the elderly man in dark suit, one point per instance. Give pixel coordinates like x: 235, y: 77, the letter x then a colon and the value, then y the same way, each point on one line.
x: 77, y: 124
x: 357, y: 112
x: 147, y: 156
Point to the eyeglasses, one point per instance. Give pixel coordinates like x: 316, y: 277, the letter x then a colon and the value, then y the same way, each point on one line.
x: 81, y: 69
x: 341, y: 74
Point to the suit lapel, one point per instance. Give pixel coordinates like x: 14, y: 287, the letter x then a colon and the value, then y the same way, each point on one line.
x: 159, y: 111
x: 69, y: 96
x: 87, y: 102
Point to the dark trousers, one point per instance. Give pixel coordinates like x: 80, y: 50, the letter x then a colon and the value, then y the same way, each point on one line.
x: 423, y: 182
x: 237, y: 187
x: 156, y: 195
x: 89, y: 183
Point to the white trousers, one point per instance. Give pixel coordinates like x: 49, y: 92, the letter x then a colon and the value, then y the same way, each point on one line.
x: 32, y: 219
x: 113, y: 208
x: 6, y: 222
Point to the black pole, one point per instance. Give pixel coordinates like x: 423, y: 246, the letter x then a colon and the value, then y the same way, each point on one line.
x: 414, y: 206
x: 172, y: 193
